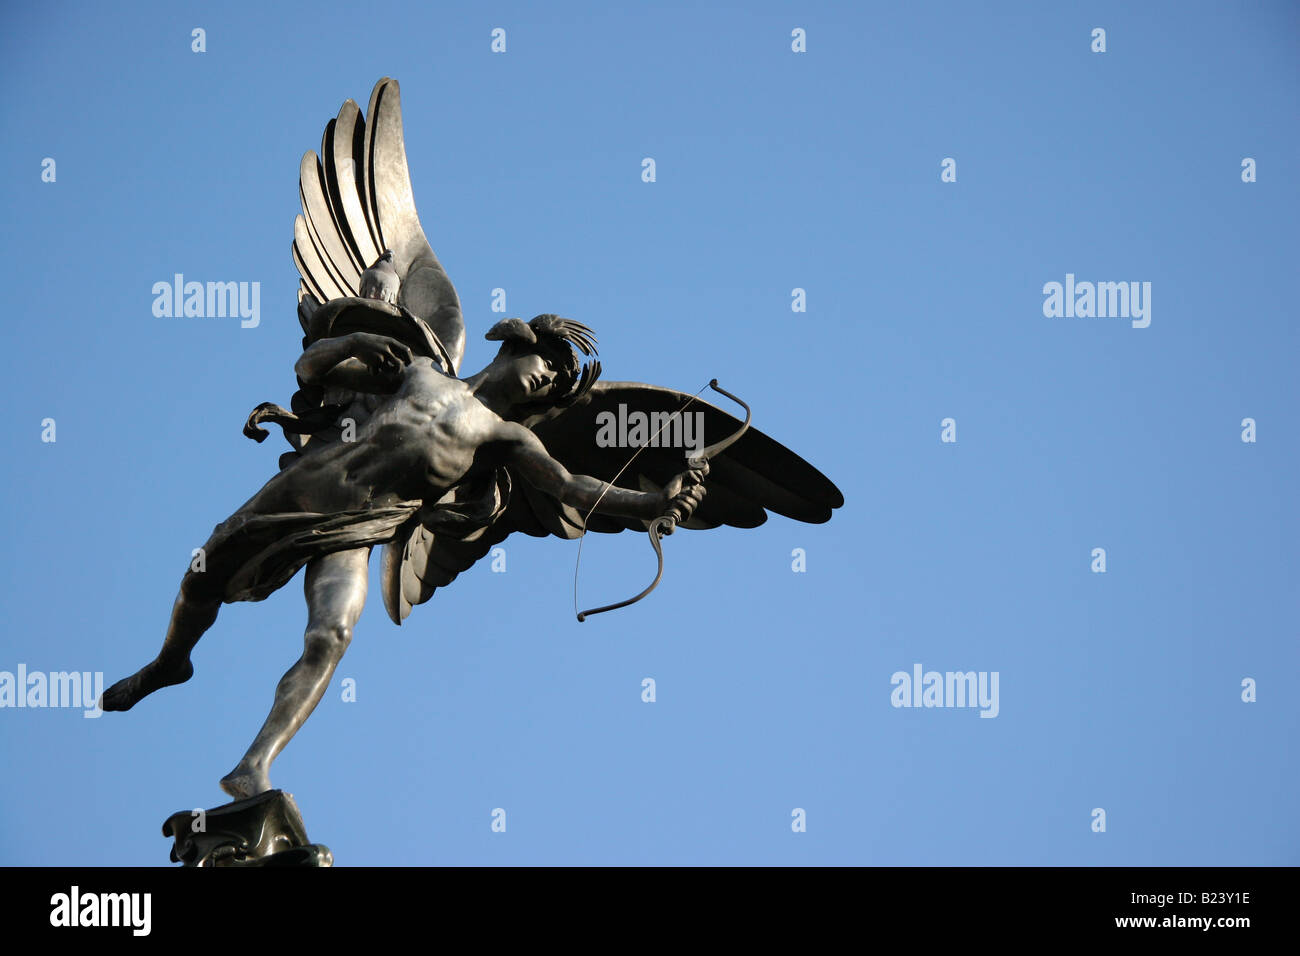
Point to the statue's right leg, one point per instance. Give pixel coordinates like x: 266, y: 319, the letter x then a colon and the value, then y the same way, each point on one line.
x: 335, y: 587
x: 192, y: 614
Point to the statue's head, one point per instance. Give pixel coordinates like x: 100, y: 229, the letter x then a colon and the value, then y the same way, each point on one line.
x: 541, y: 361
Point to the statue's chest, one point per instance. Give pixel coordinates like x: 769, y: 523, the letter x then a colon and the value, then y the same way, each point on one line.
x: 443, y: 411
x: 433, y: 396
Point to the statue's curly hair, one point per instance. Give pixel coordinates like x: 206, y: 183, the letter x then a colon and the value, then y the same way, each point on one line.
x: 558, y: 341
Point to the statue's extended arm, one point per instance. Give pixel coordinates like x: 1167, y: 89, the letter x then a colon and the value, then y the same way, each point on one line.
x: 529, y: 458
x: 361, y: 361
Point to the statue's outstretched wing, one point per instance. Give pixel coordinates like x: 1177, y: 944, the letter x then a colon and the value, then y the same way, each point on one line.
x: 357, y: 202
x: 752, y: 477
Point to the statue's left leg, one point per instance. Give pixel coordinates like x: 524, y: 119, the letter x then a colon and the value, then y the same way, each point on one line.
x: 336, y: 592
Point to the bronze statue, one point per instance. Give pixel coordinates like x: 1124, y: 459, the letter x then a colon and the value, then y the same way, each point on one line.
x: 391, y: 448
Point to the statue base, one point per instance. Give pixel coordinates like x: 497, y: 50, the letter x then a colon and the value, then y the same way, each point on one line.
x: 265, y: 830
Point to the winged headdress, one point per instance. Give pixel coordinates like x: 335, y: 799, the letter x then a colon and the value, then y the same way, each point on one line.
x: 357, y: 202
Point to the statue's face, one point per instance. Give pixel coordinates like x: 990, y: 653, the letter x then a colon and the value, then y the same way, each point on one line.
x: 528, y: 378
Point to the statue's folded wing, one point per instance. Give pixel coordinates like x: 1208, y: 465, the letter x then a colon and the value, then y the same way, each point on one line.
x: 357, y: 202
x: 752, y: 477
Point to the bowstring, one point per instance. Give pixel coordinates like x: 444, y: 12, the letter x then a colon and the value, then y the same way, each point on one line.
x: 610, y: 484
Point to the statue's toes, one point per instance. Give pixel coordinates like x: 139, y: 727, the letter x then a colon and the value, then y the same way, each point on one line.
x: 121, y: 696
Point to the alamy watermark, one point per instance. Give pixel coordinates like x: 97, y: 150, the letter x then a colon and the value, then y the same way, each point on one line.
x: 948, y: 689
x: 1101, y: 300
x: 655, y: 429
x: 55, y: 689
x: 213, y: 300
x: 130, y: 910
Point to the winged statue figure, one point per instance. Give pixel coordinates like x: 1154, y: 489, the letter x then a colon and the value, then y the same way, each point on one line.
x: 390, y: 447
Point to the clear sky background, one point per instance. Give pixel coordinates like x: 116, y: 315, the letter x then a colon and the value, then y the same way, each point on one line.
x: 775, y: 170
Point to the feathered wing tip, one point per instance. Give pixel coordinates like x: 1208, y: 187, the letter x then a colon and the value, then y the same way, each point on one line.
x: 307, y: 306
x: 590, y: 372
x: 570, y: 330
x: 357, y: 204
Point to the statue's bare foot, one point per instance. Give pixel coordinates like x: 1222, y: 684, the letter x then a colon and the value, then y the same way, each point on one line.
x: 246, y: 780
x: 127, y: 692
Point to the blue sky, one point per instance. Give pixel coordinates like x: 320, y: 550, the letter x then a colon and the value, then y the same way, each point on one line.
x: 775, y: 170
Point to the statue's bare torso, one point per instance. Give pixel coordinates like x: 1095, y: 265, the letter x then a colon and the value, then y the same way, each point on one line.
x: 434, y: 433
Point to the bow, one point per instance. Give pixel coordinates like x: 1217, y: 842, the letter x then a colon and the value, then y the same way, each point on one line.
x: 665, y: 524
